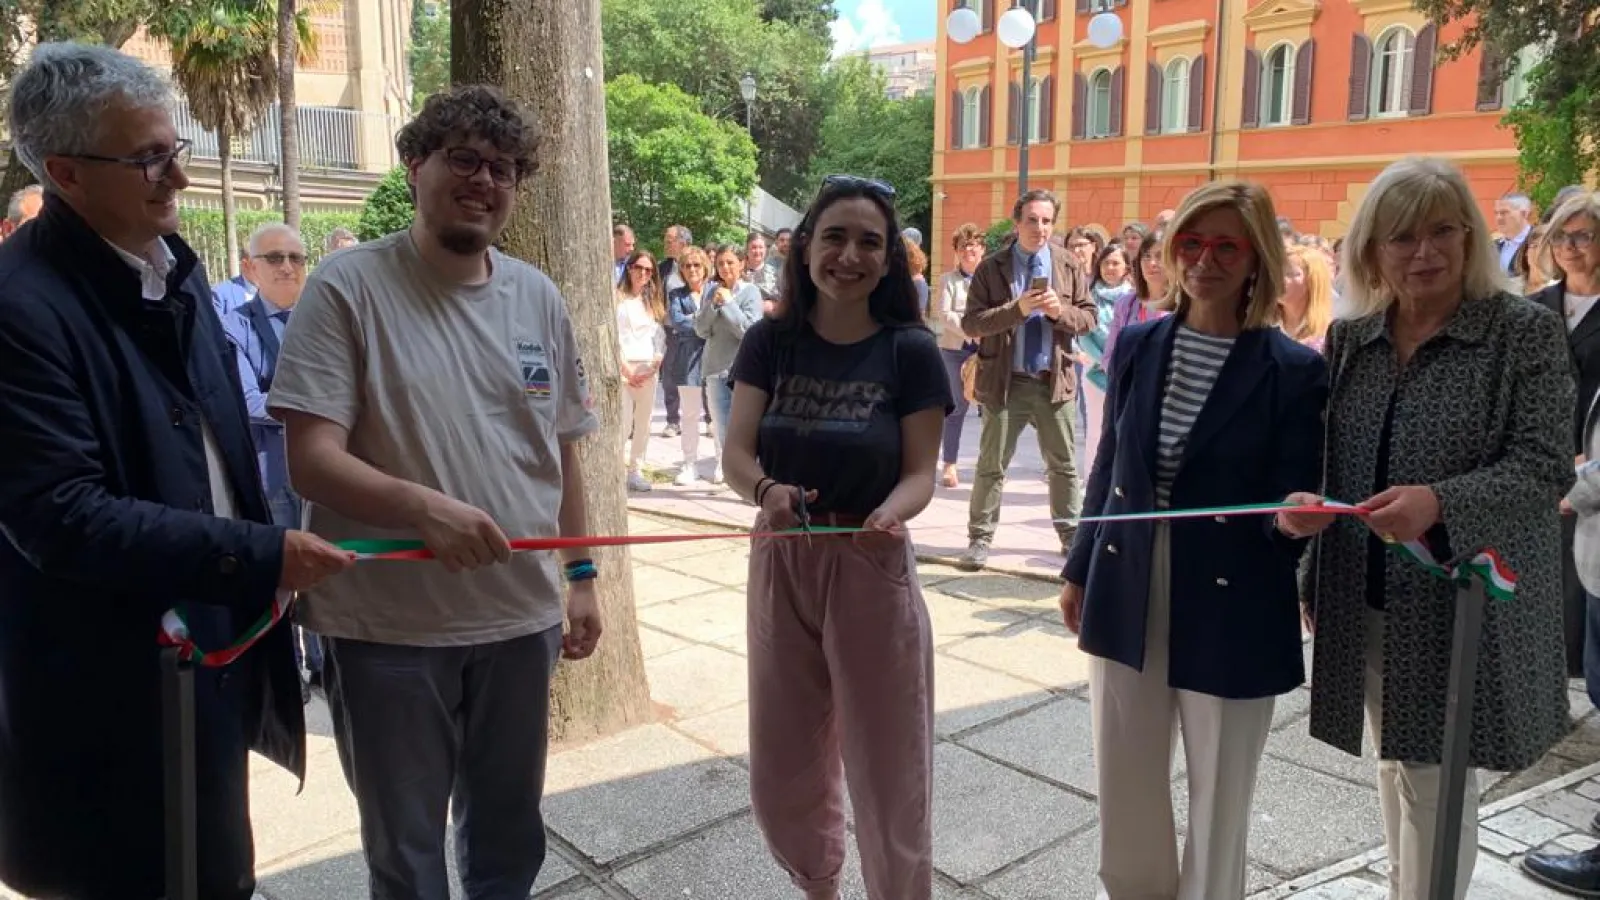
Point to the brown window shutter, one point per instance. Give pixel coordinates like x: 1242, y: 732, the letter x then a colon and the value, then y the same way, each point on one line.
x: 1080, y: 104
x: 1422, y: 70
x: 1250, y: 113
x: 985, y: 120
x: 1047, y: 109
x: 956, y: 103
x: 1491, y: 81
x: 1116, y: 102
x: 1197, y: 93
x: 1013, y: 112
x: 1083, y: 7
x: 1304, y: 59
x: 1360, y: 76
x: 1047, y: 10
x: 988, y: 15
x: 1154, y: 84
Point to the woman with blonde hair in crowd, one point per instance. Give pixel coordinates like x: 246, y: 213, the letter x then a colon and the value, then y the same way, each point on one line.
x: 1194, y: 625
x: 1450, y: 422
x: 683, y: 375
x: 642, y: 340
x: 1530, y: 265
x: 949, y: 304
x: 1307, y: 301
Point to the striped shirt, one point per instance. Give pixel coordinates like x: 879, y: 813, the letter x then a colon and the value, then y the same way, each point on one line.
x: 1196, y: 360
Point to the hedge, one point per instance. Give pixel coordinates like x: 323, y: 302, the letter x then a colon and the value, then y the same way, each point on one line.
x: 202, y: 228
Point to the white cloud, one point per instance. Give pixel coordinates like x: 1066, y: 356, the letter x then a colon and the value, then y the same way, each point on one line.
x: 870, y: 25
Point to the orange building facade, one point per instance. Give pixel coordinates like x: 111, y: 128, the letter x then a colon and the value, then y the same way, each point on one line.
x: 1311, y: 98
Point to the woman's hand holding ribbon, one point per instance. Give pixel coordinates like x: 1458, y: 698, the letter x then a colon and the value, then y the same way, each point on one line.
x: 1403, y: 513
x: 781, y: 503
x: 1303, y: 524
x: 881, y: 528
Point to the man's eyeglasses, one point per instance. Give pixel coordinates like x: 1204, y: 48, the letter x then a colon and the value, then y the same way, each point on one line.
x: 298, y: 260
x: 464, y: 162
x: 857, y: 183
x: 1577, y: 240
x: 1224, y: 250
x: 157, y: 166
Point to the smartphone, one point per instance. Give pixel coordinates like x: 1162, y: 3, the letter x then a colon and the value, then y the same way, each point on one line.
x: 1042, y: 283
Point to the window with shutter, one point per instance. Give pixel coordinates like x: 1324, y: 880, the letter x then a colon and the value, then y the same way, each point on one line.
x: 1153, y: 81
x: 1175, y: 97
x: 1080, y: 106
x: 1491, y: 87
x: 985, y: 117
x: 972, y: 133
x: 1392, y: 72
x: 1197, y: 93
x: 1117, y: 102
x: 1360, y: 76
x: 1250, y: 112
x: 1047, y: 110
x: 956, y: 103
x: 986, y: 14
x: 1420, y: 102
x: 1277, y: 85
x: 1013, y: 112
x: 1083, y: 7
x: 1304, y: 59
x: 1035, y: 120
x: 1047, y: 10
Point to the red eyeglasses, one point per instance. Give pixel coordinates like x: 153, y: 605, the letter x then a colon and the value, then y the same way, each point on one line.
x: 1225, y: 251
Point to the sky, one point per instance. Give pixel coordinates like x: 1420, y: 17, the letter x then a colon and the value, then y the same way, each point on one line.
x: 863, y: 24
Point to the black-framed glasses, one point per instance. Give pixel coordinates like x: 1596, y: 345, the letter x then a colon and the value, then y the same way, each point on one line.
x: 157, y: 166
x: 465, y: 162
x: 1577, y: 240
x: 855, y: 182
x: 298, y: 260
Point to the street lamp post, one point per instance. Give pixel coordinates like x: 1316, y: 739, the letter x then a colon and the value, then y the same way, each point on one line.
x: 1016, y: 30
x: 747, y: 90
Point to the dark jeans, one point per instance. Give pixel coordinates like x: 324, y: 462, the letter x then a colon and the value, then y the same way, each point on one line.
x: 958, y: 416
x: 427, y: 731
x: 1591, y: 648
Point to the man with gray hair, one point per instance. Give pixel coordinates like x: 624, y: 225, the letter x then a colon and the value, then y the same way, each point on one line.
x: 130, y: 489
x: 340, y: 239
x: 1513, y: 218
x: 24, y: 206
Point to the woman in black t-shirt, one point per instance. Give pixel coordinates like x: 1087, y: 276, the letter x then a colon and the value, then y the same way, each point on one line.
x: 841, y: 398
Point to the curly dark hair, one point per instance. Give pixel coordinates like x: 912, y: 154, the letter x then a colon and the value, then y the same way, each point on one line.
x: 471, y: 111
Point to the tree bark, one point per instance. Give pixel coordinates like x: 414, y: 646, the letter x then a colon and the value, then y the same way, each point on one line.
x: 288, y: 119
x: 230, y: 227
x: 546, y: 55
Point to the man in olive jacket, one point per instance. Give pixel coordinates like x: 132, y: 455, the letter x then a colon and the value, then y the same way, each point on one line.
x: 1026, y: 304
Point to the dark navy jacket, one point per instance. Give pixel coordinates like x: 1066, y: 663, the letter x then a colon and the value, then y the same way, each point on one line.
x: 105, y: 511
x: 1235, y: 628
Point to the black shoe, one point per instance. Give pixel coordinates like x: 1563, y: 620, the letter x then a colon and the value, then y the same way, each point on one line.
x: 1577, y: 874
x: 1595, y: 825
x: 976, y: 557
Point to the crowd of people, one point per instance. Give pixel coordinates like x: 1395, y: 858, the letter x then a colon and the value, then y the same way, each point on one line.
x: 166, y: 444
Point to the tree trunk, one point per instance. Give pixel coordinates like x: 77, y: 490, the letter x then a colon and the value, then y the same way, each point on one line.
x: 546, y: 55
x: 16, y: 177
x: 229, y: 214
x: 288, y: 120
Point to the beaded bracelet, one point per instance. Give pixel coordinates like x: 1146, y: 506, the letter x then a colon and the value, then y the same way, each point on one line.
x: 762, y: 486
x: 581, y: 570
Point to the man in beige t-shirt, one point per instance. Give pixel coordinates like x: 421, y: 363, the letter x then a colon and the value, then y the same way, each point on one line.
x: 431, y: 387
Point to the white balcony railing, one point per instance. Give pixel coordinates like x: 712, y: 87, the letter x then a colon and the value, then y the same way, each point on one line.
x: 329, y: 138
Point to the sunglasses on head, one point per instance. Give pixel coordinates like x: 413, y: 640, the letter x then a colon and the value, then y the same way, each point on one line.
x: 857, y: 183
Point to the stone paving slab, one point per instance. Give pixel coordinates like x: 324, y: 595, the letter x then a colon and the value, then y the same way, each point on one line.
x: 1035, y: 650
x: 1052, y: 742
x: 986, y: 815
x: 701, y: 617
x: 697, y: 680
x: 729, y: 861
x: 967, y: 695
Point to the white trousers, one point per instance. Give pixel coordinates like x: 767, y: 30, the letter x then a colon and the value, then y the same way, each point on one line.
x: 689, y: 412
x: 637, y: 405
x: 1408, y: 796
x: 1137, y: 718
x: 1094, y: 410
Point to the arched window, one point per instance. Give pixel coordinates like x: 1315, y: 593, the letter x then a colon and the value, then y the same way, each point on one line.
x: 1277, y: 85
x: 1100, y: 104
x: 971, y: 116
x: 1175, y: 97
x: 1036, y: 111
x: 1391, y: 72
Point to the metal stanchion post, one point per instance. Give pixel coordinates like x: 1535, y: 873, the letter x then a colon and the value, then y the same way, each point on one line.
x: 178, y: 758
x: 1457, y: 751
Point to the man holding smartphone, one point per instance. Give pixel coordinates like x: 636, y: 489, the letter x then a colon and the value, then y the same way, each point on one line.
x: 1026, y: 304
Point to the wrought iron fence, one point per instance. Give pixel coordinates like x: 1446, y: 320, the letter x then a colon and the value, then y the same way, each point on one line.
x: 329, y: 137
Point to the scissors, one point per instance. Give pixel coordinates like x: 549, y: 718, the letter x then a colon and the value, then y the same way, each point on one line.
x: 802, y: 513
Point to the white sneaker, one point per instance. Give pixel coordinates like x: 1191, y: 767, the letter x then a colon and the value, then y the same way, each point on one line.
x: 636, y: 482
x: 687, y: 476
x: 716, y: 477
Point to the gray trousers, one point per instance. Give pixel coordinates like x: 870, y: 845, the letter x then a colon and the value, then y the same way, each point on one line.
x: 420, y: 727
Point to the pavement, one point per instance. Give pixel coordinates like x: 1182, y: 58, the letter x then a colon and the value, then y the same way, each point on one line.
x: 661, y: 812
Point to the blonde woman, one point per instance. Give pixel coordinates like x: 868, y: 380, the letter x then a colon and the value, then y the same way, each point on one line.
x: 1307, y: 301
x: 1450, y: 421
x: 1194, y: 625
x: 642, y: 340
x: 948, y: 305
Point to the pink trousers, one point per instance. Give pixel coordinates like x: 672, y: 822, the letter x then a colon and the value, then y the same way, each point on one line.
x: 841, y: 691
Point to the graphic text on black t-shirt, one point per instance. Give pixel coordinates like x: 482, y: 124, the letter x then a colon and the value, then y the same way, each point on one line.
x: 805, y: 404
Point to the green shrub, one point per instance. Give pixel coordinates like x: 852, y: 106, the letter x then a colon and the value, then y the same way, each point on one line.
x: 388, y: 208
x: 995, y: 237
x: 203, y: 229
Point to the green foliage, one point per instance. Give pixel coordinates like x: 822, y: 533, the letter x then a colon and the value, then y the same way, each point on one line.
x: 388, y: 208
x: 704, y: 47
x: 1553, y: 150
x: 429, y: 50
x: 995, y: 237
x: 203, y: 229
x: 224, y: 59
x: 865, y: 133
x: 671, y: 163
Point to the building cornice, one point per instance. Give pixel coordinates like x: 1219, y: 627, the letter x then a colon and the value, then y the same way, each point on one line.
x: 1192, y: 31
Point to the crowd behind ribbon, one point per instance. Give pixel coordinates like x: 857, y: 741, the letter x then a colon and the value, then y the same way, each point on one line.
x: 166, y: 445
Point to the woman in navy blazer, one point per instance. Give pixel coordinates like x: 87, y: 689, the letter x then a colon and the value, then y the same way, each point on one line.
x: 1195, y: 623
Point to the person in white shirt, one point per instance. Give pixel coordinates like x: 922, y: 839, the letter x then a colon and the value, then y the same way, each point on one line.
x: 641, y: 312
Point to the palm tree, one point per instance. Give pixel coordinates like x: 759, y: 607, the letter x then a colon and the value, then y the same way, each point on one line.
x: 296, y: 44
x: 224, y: 62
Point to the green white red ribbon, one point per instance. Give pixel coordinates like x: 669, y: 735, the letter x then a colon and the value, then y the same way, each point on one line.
x: 175, y: 633
x: 1485, y: 566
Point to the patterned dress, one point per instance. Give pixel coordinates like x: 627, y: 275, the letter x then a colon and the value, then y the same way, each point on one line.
x: 1482, y: 414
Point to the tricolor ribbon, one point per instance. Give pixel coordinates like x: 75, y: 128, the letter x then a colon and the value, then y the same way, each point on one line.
x: 1485, y: 566
x: 175, y: 633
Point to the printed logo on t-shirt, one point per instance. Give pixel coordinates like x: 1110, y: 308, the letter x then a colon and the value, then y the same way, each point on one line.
x: 807, y: 404
x: 535, y: 365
